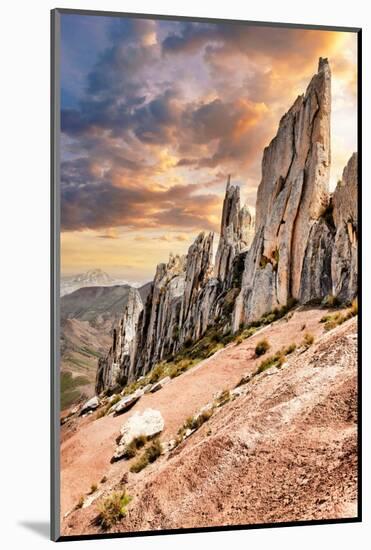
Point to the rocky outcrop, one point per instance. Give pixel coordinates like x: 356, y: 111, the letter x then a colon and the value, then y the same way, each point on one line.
x: 303, y: 247
x: 344, y: 262
x: 148, y: 424
x: 121, y: 357
x: 236, y: 232
x: 292, y: 196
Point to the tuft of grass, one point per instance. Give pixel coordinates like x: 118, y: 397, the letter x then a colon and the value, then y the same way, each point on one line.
x: 275, y: 360
x: 107, y: 408
x: 112, y: 509
x: 308, y: 339
x: 80, y: 502
x: 354, y: 307
x: 331, y: 301
x: 262, y: 347
x: 133, y: 447
x: 148, y: 456
x: 223, y: 398
x: 338, y: 318
x: 289, y: 349
x: 194, y: 423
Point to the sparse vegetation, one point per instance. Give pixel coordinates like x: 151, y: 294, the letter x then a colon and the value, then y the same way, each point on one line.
x: 308, y: 339
x: 275, y: 360
x: 262, y: 347
x: 80, y: 502
x: 289, y: 349
x: 104, y: 479
x: 331, y: 301
x: 194, y: 423
x: 105, y: 410
x: 149, y: 455
x: 112, y: 509
x: 213, y: 340
x: 93, y: 488
x: 134, y: 446
x: 333, y: 320
x: 223, y: 398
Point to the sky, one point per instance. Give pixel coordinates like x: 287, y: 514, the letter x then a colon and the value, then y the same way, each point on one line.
x: 156, y: 114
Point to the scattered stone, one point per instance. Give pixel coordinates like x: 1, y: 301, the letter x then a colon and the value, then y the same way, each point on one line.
x: 90, y: 405
x: 160, y: 384
x: 127, y: 402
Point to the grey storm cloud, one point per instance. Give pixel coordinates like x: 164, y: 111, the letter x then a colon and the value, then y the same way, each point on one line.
x: 98, y: 204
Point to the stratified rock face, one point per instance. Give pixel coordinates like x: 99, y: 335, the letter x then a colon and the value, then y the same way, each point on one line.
x: 179, y: 306
x: 161, y: 314
x: 303, y: 246
x: 344, y: 263
x: 121, y: 357
x: 292, y: 196
x: 236, y: 232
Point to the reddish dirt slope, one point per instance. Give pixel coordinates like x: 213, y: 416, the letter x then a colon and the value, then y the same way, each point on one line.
x: 285, y: 451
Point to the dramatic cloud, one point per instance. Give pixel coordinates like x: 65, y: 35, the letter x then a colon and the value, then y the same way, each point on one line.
x: 156, y: 114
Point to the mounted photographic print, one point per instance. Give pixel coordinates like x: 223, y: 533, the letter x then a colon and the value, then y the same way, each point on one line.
x: 205, y: 184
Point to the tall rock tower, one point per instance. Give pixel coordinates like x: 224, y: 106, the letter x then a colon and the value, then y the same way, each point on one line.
x: 236, y: 231
x: 292, y: 195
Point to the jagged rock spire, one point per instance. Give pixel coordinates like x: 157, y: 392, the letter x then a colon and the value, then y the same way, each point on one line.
x: 236, y: 231
x: 292, y: 195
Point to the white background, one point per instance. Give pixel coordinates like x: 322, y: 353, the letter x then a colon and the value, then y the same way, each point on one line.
x: 24, y: 287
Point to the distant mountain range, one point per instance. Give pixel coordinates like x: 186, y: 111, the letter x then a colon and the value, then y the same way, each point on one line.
x: 92, y: 277
x: 88, y: 315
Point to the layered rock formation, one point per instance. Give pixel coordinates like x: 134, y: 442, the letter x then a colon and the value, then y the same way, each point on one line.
x: 344, y: 261
x: 303, y: 247
x: 236, y: 232
x: 292, y: 196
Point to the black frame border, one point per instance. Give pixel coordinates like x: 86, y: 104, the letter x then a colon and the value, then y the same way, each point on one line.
x: 55, y: 274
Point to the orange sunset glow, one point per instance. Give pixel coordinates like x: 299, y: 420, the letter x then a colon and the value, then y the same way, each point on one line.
x: 156, y: 114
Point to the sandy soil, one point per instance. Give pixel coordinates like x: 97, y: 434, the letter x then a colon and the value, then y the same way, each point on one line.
x: 285, y: 451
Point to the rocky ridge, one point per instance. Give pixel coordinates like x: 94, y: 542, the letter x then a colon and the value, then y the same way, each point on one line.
x: 302, y: 247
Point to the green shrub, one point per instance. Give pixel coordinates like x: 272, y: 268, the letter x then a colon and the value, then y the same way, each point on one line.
x: 112, y: 509
x: 262, y: 347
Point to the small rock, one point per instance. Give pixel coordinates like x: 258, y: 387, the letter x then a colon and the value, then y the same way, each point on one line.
x: 272, y: 370
x: 90, y: 405
x: 160, y: 384
x: 236, y: 392
x: 148, y: 423
x: 169, y: 446
x: 126, y: 402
